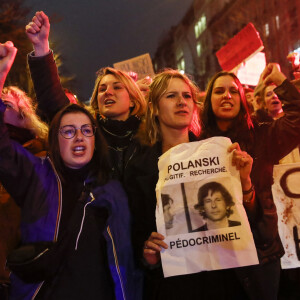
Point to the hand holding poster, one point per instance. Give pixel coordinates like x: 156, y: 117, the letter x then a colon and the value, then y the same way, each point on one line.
x: 200, y: 209
x: 286, y: 193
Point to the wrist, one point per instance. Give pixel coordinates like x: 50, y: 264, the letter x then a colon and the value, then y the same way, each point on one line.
x: 41, y: 50
x: 248, y: 191
x: 249, y: 198
x: 281, y: 78
x: 246, y: 183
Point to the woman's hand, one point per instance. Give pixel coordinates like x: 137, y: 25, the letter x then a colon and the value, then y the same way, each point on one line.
x: 272, y: 74
x: 7, y: 56
x: 243, y: 162
x: 152, y: 248
x: 38, y: 33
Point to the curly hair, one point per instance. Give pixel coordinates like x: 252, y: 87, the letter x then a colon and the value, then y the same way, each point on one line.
x: 213, y: 187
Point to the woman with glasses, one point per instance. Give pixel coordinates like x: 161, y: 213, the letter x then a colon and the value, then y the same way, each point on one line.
x: 67, y: 201
x: 117, y: 102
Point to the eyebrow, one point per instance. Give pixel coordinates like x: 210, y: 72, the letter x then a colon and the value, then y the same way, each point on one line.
x: 170, y: 92
x: 116, y: 82
x: 75, y: 125
x: 221, y: 86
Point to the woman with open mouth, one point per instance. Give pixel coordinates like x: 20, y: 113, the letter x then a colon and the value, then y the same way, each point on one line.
x: 117, y: 102
x: 225, y: 113
x: 75, y: 225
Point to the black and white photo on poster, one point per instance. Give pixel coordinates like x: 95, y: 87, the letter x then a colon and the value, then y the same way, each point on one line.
x: 200, y: 210
x: 198, y: 206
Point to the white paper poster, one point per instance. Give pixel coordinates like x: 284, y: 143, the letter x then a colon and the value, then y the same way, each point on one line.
x: 286, y: 194
x: 200, y: 211
x: 142, y: 65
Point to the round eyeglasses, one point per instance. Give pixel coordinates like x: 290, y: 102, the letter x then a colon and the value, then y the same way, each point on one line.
x: 69, y: 131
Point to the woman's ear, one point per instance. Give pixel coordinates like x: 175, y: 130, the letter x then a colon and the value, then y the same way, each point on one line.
x: 131, y: 104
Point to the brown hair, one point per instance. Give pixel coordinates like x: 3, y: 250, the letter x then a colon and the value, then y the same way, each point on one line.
x: 242, y: 122
x: 100, y: 166
x: 213, y: 187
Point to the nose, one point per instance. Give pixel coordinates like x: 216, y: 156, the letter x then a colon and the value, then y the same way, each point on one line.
x: 181, y: 101
x: 78, y: 135
x: 227, y: 95
x: 109, y: 90
x: 213, y: 204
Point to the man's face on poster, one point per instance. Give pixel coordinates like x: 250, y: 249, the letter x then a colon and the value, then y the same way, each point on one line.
x: 169, y: 215
x: 215, y: 206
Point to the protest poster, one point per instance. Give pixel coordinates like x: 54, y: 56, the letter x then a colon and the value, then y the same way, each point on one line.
x: 198, y: 188
x: 142, y: 65
x: 286, y: 194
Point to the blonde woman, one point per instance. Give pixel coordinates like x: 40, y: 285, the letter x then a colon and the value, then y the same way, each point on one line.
x: 171, y: 119
x: 24, y: 127
x: 21, y: 112
x: 116, y: 100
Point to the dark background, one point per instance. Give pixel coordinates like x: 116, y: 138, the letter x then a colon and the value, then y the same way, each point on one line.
x: 96, y: 33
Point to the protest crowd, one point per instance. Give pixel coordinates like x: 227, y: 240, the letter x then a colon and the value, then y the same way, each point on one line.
x: 78, y: 183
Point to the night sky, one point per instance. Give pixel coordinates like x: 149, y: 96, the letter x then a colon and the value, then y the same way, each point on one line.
x: 96, y: 33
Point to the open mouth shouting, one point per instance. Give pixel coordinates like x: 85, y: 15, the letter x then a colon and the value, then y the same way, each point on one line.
x: 275, y: 102
x: 109, y: 102
x: 226, y: 104
x: 79, y: 150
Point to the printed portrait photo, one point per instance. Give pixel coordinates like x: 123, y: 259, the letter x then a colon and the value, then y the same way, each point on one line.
x: 198, y: 206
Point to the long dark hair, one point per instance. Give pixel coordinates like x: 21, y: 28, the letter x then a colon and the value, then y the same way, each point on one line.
x: 240, y: 129
x: 99, y: 166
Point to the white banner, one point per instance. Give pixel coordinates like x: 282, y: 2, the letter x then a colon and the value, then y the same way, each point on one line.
x: 286, y: 194
x: 200, y: 210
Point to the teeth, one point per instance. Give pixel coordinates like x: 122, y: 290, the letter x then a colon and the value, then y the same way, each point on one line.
x: 79, y: 148
x: 226, y: 105
x: 109, y: 101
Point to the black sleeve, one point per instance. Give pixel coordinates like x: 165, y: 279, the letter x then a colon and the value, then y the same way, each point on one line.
x: 281, y: 136
x: 48, y: 89
x: 18, y: 167
x: 142, y: 203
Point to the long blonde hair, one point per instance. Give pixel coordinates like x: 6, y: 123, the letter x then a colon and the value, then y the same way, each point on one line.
x: 134, y: 92
x: 27, y: 111
x: 157, y: 89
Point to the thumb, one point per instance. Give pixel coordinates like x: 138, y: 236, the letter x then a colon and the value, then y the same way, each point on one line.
x: 11, y: 50
x: 9, y: 44
x: 234, y: 146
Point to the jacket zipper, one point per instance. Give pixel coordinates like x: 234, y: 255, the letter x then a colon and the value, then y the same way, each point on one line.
x: 82, y: 220
x: 116, y: 262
